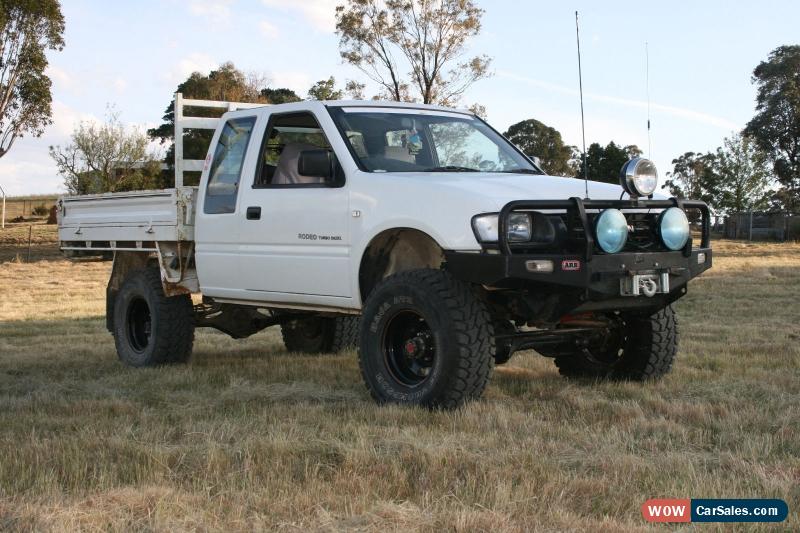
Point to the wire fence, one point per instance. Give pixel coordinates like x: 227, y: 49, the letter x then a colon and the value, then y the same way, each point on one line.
x: 763, y: 226
x: 26, y: 208
x: 29, y: 242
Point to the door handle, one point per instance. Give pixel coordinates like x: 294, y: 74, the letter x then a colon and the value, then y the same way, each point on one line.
x: 254, y: 213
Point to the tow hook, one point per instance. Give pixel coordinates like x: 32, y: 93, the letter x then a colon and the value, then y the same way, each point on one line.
x: 648, y: 287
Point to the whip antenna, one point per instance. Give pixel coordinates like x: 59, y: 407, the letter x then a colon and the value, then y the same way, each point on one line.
x: 583, y: 122
x: 647, y: 77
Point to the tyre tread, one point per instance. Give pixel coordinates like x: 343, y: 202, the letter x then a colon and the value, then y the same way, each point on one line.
x: 176, y: 321
x: 473, y: 334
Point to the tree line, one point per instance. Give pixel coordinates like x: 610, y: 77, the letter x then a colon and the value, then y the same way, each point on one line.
x: 410, y: 50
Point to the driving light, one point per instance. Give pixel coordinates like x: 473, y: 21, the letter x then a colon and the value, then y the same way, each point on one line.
x: 611, y: 230
x: 639, y: 177
x: 673, y: 227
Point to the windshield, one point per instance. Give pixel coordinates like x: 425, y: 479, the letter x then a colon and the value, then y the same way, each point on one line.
x: 395, y: 140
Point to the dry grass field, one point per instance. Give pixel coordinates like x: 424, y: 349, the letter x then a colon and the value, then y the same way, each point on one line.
x: 249, y: 437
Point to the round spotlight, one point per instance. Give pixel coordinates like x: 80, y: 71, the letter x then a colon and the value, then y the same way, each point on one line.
x: 673, y: 227
x: 639, y: 177
x: 611, y: 230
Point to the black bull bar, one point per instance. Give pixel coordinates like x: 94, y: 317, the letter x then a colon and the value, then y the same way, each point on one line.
x: 581, y: 273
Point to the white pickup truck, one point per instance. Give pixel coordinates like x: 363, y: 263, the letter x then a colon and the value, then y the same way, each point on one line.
x: 416, y: 233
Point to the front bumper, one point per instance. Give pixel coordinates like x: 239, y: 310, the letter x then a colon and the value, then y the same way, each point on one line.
x: 586, y: 278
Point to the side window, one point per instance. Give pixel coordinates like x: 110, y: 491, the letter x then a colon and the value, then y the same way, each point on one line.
x: 287, y: 136
x: 226, y: 167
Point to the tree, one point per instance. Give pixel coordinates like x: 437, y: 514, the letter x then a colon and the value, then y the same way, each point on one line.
x: 744, y: 175
x: 537, y: 139
x: 605, y: 163
x: 106, y: 158
x: 27, y: 29
x: 325, y: 90
x: 279, y: 96
x: 776, y: 124
x: 227, y: 83
x: 694, y: 176
x: 429, y: 36
x: 355, y: 89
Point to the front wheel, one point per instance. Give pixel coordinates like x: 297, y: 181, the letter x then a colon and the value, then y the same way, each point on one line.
x: 637, y: 348
x: 426, y: 339
x: 151, y: 328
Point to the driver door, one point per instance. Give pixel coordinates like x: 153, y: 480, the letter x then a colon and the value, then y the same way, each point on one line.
x: 295, y: 229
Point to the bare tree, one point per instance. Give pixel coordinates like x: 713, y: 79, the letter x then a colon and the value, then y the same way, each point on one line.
x: 425, y: 37
x: 106, y: 158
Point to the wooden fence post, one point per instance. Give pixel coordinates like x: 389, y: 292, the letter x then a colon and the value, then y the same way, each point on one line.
x: 30, y: 234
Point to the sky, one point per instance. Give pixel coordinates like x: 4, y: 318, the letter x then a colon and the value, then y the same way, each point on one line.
x: 131, y: 55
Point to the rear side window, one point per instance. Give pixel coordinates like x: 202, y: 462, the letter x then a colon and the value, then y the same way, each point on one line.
x: 226, y: 167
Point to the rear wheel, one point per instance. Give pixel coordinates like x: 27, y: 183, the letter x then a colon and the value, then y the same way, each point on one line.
x: 636, y: 347
x: 149, y: 327
x: 318, y: 334
x: 426, y: 339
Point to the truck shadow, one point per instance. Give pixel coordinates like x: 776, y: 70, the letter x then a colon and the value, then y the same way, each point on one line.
x: 76, y: 359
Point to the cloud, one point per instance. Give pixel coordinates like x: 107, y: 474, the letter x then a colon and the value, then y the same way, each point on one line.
x: 688, y: 114
x: 269, y: 30
x: 65, y: 119
x: 29, y: 177
x: 59, y: 76
x: 321, y: 14
x: 215, y: 11
x: 299, y: 82
x: 195, y: 62
x: 120, y: 84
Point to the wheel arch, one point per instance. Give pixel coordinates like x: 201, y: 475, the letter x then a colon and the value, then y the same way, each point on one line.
x: 396, y: 250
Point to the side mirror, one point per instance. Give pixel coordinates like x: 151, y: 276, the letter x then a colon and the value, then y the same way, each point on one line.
x: 316, y: 164
x: 536, y: 160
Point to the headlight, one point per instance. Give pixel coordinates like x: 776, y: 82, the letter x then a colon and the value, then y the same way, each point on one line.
x: 673, y: 227
x: 611, y: 230
x: 639, y: 177
x: 519, y: 227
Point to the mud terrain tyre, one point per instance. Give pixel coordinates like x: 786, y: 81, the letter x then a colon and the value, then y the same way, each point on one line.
x: 645, y: 350
x: 150, y: 328
x: 319, y: 335
x: 426, y: 339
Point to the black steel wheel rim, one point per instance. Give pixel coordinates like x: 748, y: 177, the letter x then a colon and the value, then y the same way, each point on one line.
x: 409, y: 348
x: 139, y: 324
